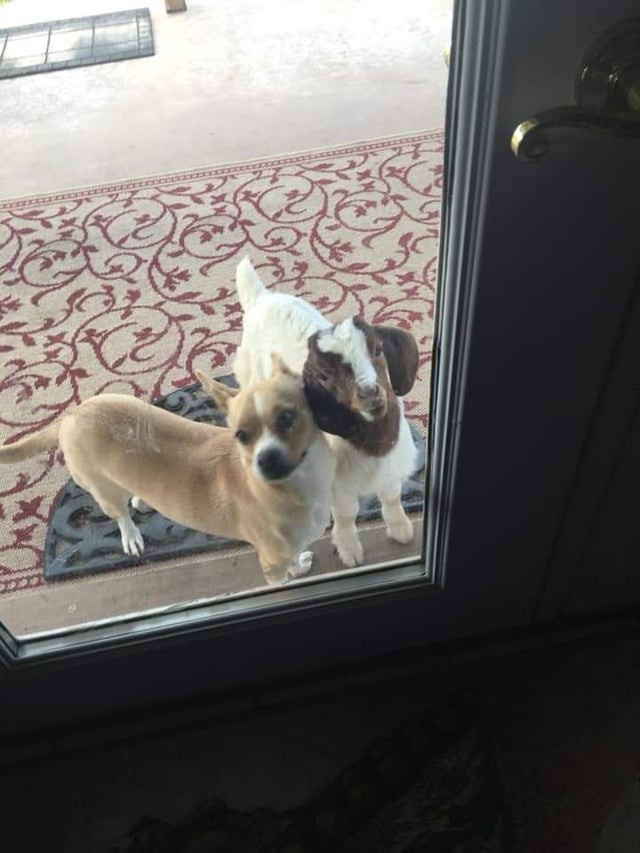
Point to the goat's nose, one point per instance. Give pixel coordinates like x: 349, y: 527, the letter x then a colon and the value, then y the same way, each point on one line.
x: 368, y: 392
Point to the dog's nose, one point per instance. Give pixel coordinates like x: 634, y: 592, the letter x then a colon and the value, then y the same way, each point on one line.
x: 272, y: 464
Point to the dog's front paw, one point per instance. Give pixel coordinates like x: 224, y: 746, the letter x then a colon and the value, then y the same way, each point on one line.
x: 276, y: 575
x: 132, y: 541
x: 400, y: 531
x: 303, y: 567
x: 349, y: 548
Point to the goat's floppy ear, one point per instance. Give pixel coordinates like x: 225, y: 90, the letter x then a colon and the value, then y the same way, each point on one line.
x: 220, y: 392
x: 401, y: 352
x: 278, y: 365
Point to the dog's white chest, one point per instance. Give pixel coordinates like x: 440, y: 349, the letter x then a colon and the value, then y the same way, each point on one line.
x: 313, y: 479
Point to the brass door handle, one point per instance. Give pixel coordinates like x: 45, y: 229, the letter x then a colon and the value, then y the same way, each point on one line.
x: 607, y: 93
x: 529, y: 140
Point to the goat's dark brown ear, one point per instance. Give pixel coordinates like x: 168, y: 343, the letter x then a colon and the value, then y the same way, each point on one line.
x: 401, y: 352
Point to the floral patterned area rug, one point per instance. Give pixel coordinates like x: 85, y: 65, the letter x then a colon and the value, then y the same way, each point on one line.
x: 129, y: 287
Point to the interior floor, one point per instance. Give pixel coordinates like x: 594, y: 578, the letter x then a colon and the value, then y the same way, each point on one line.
x: 564, y: 720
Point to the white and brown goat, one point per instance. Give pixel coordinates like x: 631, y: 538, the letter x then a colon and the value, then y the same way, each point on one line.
x: 354, y: 375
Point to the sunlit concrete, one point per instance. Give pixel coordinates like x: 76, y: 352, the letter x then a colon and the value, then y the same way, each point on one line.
x: 231, y: 80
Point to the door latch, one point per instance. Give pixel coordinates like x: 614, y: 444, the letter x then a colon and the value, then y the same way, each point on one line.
x: 607, y: 90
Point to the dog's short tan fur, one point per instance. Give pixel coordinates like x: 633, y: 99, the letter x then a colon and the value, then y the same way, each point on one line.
x: 205, y: 477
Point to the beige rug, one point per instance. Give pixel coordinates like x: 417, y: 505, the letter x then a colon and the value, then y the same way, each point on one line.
x: 129, y: 287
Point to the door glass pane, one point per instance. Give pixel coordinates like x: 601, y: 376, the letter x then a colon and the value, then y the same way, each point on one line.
x: 306, y: 137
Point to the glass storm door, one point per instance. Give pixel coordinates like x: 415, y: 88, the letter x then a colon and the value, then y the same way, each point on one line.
x: 535, y: 369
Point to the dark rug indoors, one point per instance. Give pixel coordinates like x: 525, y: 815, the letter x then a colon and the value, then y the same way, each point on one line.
x: 431, y: 786
x: 81, y: 539
x: 54, y: 45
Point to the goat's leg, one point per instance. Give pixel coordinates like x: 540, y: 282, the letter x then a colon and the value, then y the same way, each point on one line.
x: 344, y: 509
x: 399, y: 527
x: 243, y: 367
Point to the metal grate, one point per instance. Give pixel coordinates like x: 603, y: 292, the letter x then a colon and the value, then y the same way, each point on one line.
x: 54, y: 45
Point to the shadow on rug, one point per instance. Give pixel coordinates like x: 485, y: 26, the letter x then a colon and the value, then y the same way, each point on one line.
x: 432, y: 785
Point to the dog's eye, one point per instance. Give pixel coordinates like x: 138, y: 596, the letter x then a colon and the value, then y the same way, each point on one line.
x: 286, y: 419
x: 242, y: 436
x: 379, y: 351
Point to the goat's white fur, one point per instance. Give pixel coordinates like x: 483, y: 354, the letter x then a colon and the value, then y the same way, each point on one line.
x: 283, y: 323
x: 273, y: 322
x: 350, y: 344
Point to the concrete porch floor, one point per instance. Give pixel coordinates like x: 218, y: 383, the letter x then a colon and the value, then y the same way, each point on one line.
x: 229, y: 81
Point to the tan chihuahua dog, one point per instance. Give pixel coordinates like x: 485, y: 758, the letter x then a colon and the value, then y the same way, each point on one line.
x: 265, y: 480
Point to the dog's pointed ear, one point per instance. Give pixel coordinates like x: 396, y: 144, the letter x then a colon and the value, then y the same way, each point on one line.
x: 401, y: 351
x: 278, y: 365
x: 220, y: 392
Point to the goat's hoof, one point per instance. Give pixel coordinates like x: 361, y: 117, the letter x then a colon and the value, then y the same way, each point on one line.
x: 351, y: 554
x: 401, y: 532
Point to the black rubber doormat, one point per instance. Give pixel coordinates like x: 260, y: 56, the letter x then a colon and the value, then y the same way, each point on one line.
x: 54, y: 45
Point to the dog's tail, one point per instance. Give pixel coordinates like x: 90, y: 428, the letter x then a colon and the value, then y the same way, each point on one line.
x: 45, y: 439
x: 249, y: 286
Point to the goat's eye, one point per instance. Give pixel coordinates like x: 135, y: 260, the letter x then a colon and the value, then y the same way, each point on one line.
x: 242, y: 436
x: 379, y: 351
x: 286, y: 419
x: 322, y: 377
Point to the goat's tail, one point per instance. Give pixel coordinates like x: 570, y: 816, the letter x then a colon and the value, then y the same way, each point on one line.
x: 45, y: 439
x: 249, y: 286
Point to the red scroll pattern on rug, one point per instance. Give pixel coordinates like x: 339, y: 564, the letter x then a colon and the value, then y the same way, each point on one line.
x: 129, y: 287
